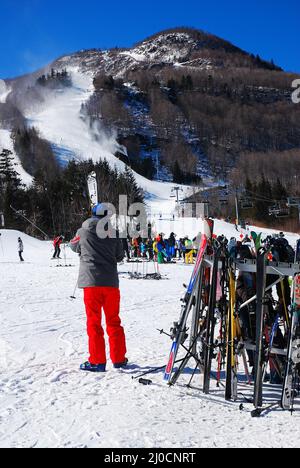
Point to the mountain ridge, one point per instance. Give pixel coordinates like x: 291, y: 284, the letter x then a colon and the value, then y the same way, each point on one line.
x: 184, y: 103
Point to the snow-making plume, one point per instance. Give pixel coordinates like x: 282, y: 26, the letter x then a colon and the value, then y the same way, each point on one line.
x: 25, y: 95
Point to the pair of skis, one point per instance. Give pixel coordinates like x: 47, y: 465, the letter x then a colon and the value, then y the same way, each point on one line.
x: 93, y: 189
x: 293, y: 352
x: 179, y: 331
x: 293, y: 348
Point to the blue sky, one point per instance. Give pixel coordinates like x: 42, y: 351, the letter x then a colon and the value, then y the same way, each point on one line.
x: 34, y: 32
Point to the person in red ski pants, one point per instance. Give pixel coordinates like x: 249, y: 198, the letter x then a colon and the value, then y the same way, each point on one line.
x: 98, y: 277
x: 108, y: 300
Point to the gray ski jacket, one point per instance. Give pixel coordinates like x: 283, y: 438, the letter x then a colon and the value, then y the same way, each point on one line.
x: 98, y: 257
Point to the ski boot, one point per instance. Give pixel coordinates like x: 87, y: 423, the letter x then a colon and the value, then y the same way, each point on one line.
x: 97, y: 368
x: 121, y: 365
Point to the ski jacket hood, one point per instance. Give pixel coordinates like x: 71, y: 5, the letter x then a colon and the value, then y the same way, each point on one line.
x: 98, y: 257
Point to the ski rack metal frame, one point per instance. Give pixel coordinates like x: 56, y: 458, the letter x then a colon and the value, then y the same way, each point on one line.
x: 273, y: 268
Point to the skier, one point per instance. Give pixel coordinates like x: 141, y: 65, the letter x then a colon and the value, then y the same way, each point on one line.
x: 188, y: 250
x: 98, y: 277
x: 143, y: 249
x: 136, y: 247
x: 180, y: 248
x: 149, y: 247
x: 20, y: 249
x: 232, y: 247
x: 125, y: 243
x: 160, y: 247
x: 298, y: 251
x: 172, y: 244
x: 57, y: 243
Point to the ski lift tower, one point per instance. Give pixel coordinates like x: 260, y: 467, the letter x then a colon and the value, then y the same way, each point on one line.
x: 175, y: 194
x: 294, y: 202
x: 176, y: 190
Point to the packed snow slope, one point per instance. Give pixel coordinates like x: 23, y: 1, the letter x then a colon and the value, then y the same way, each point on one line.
x: 47, y: 402
x: 59, y: 121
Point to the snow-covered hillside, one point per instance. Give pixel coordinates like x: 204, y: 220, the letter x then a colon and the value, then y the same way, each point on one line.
x: 59, y: 121
x: 45, y: 400
x: 6, y: 140
x: 4, y: 91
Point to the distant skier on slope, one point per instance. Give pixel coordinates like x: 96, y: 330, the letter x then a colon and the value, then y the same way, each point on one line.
x: 20, y: 249
x: 98, y: 277
x: 57, y: 243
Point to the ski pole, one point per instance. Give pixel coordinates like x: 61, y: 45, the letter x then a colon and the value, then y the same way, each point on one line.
x: 65, y: 255
x: 74, y: 297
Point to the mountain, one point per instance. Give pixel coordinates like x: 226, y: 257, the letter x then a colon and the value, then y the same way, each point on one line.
x: 181, y: 106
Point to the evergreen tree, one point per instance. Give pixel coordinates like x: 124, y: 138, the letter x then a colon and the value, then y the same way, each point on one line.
x: 178, y: 176
x: 279, y: 191
x: 264, y: 198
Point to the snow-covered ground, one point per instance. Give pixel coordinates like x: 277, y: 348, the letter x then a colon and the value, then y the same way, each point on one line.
x: 46, y: 402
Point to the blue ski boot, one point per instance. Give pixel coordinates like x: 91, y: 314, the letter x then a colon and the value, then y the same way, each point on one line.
x: 121, y: 365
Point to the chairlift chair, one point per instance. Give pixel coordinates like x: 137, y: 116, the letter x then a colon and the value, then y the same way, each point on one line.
x: 247, y: 204
x: 223, y: 202
x: 279, y: 211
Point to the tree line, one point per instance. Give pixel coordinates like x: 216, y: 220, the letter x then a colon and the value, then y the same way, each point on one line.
x: 58, y: 204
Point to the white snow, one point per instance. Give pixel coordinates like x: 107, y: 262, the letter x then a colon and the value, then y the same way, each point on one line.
x: 46, y: 402
x: 139, y: 57
x: 6, y: 142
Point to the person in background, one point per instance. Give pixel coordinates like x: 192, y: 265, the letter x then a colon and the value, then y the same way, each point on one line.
x: 155, y: 249
x: 136, y: 247
x: 149, y: 245
x: 143, y: 249
x: 125, y: 244
x: 188, y: 250
x: 172, y: 244
x: 57, y: 243
x: 298, y: 251
x: 20, y: 249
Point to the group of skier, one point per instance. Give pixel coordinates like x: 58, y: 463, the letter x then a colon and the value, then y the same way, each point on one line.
x: 57, y: 242
x: 161, y: 248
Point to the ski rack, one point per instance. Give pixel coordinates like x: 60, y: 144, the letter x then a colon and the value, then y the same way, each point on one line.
x: 276, y: 269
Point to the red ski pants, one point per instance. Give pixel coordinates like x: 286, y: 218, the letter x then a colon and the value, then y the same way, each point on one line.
x: 108, y: 299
